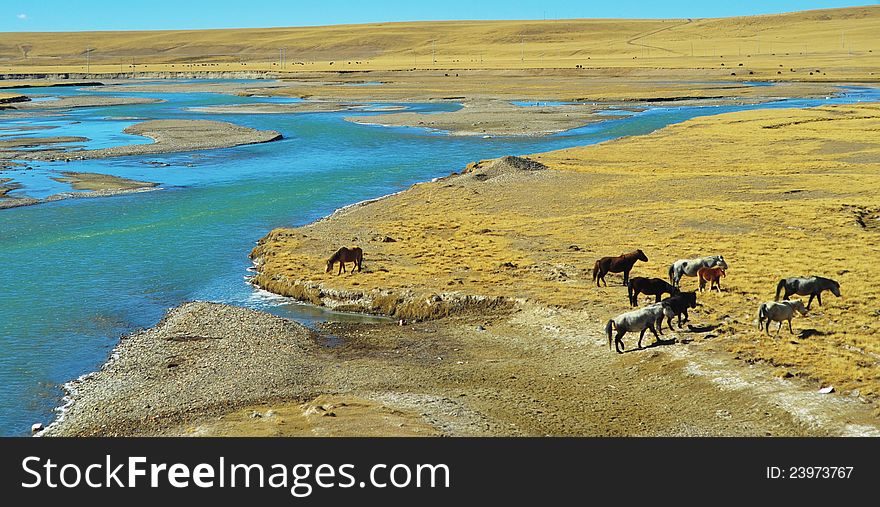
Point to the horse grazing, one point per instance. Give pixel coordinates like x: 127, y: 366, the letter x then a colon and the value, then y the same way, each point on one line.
x: 779, y: 312
x: 679, y: 304
x: 650, y: 286
x: 343, y: 255
x: 711, y: 275
x: 809, y: 286
x: 689, y: 267
x: 622, y: 263
x: 637, y: 320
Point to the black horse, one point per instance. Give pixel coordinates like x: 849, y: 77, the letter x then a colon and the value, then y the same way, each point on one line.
x: 679, y: 303
x: 651, y: 286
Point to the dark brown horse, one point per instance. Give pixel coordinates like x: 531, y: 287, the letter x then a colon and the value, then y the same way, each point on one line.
x: 343, y: 255
x: 623, y: 263
x: 651, y: 286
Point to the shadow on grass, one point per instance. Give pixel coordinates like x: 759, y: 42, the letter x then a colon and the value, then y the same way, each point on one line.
x: 702, y: 329
x: 658, y: 343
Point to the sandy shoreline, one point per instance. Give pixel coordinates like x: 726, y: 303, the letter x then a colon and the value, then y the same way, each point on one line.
x: 169, y: 136
x: 494, y: 118
x: 16, y: 202
x: 81, y: 101
x: 276, y: 108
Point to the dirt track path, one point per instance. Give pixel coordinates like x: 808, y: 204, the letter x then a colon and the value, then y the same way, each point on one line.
x: 641, y: 36
x: 536, y: 372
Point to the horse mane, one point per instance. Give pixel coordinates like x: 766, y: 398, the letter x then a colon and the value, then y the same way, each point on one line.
x: 336, y: 255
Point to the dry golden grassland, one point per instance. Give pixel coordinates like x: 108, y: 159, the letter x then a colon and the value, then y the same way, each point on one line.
x: 778, y: 192
x: 835, y: 45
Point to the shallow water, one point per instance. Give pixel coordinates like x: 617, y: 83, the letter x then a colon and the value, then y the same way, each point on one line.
x: 81, y: 272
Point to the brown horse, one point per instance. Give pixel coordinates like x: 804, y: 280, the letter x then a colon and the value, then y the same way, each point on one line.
x: 651, y: 286
x: 623, y: 263
x: 711, y: 275
x: 343, y: 255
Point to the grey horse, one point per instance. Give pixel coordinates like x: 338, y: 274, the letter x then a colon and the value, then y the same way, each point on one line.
x: 812, y: 286
x: 779, y: 312
x: 649, y: 317
x: 689, y: 267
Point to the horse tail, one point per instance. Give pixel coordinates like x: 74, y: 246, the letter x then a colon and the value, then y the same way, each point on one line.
x: 762, y: 314
x: 779, y: 288
x: 671, y: 269
x: 629, y: 288
x: 608, y: 328
x: 595, y: 270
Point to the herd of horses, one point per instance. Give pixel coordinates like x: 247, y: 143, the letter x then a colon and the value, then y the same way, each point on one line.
x: 709, y: 270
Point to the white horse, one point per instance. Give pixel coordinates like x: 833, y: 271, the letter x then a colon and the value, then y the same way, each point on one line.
x: 779, y: 312
x: 637, y: 320
x: 689, y: 267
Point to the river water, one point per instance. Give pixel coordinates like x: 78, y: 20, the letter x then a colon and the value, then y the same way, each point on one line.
x: 81, y: 272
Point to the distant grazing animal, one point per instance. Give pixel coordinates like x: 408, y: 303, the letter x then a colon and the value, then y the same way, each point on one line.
x: 679, y: 304
x: 711, y: 275
x: 689, y: 267
x: 636, y: 320
x: 779, y: 312
x: 810, y: 286
x: 623, y: 263
x: 343, y: 255
x: 650, y: 286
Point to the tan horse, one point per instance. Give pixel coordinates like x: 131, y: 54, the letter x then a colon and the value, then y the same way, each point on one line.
x: 343, y: 255
x: 711, y: 275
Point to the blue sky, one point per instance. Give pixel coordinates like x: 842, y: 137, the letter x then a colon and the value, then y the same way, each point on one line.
x: 67, y: 15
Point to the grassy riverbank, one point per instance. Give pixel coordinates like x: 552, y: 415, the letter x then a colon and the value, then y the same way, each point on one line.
x: 778, y: 192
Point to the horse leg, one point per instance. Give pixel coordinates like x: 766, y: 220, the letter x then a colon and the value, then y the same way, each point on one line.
x: 717, y: 285
x: 642, y: 335
x: 790, y: 330
x: 625, y: 276
x: 657, y: 297
x: 810, y: 301
x: 819, y: 297
x: 656, y: 336
x: 618, y: 341
x: 778, y: 328
x: 339, y: 271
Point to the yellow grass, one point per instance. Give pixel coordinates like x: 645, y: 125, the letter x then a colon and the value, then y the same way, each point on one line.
x: 778, y: 192
x: 841, y: 44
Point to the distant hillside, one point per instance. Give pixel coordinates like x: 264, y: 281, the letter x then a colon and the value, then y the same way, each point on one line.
x: 849, y: 33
